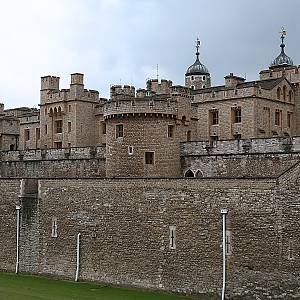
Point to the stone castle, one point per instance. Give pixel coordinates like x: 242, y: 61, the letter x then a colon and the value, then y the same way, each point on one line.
x: 142, y: 179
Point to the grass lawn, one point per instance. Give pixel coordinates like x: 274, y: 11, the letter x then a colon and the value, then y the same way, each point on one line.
x: 23, y: 287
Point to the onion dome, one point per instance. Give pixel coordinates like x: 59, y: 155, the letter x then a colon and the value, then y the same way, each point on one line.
x: 282, y: 60
x: 197, y: 68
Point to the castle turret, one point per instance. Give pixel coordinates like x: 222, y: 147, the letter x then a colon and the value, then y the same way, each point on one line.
x: 76, y: 86
x: 197, y: 75
x: 140, y: 129
x: 48, y: 84
x: 122, y: 92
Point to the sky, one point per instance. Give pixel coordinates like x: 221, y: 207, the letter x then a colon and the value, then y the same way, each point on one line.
x: 123, y: 41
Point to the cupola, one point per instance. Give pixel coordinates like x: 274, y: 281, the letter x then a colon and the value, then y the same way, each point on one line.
x: 282, y: 60
x: 197, y: 75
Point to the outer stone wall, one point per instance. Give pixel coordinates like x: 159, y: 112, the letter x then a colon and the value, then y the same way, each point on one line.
x: 125, y: 236
x: 240, y: 158
x: 9, y: 192
x: 69, y: 162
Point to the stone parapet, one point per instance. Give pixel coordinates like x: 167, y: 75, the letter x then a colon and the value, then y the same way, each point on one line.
x: 268, y: 145
x: 54, y: 154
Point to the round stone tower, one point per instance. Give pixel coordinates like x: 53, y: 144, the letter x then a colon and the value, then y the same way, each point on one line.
x: 197, y: 75
x: 142, y: 134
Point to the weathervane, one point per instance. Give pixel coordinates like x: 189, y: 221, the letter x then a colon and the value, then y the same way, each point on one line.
x: 198, y: 44
x: 283, y: 34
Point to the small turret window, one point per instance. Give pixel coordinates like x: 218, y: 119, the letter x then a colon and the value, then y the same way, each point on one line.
x: 203, y: 77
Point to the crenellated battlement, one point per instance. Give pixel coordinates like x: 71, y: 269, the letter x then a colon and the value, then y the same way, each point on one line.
x: 140, y: 106
x: 122, y: 92
x: 180, y: 90
x: 156, y: 87
x: 50, y: 92
x: 50, y: 83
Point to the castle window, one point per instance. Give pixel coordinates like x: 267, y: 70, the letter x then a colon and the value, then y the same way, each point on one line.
x: 130, y: 150
x: 54, y: 228
x: 103, y: 128
x: 192, y: 77
x: 214, y: 117
x: 192, y: 87
x: 46, y: 129
x: 236, y: 114
x: 279, y: 93
x: 37, y: 133
x: 27, y: 134
x: 289, y: 119
x: 69, y: 108
x: 284, y: 93
x: 203, y: 86
x: 172, y: 237
x: 203, y: 77
x: 170, y: 131
x: 119, y: 131
x: 58, y: 126
x: 290, y: 96
x: 58, y: 145
x: 69, y: 126
x: 188, y: 136
x: 278, y: 117
x: 149, y: 158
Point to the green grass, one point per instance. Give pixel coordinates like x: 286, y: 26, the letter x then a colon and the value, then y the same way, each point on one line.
x: 24, y: 287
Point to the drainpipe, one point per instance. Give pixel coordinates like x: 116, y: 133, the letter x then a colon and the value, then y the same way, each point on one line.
x: 224, y: 214
x: 77, y: 257
x: 18, y: 237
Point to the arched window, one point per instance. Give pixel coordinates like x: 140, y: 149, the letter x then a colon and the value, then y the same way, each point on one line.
x: 199, y: 174
x: 284, y: 93
x: 189, y: 173
x: 279, y: 93
x: 290, y: 96
x: 51, y: 111
x: 59, y: 110
x: 55, y: 111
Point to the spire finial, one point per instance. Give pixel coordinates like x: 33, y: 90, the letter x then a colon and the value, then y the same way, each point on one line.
x: 198, y: 44
x: 283, y: 34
